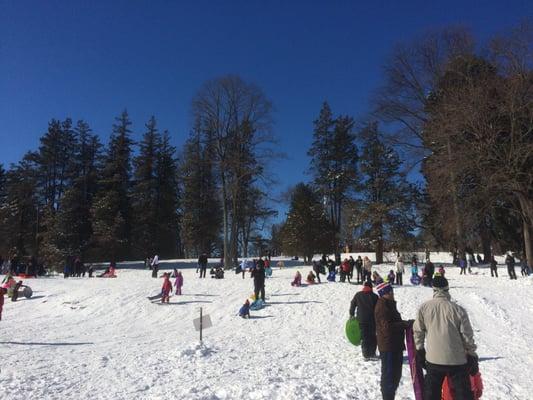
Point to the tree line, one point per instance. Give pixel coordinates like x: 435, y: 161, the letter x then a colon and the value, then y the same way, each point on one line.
x: 460, y: 113
x: 75, y: 197
x: 464, y: 114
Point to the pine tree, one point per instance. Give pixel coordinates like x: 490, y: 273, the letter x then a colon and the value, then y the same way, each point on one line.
x: 111, y: 210
x: 168, y: 199
x: 73, y: 227
x: 334, y: 158
x: 201, y: 222
x: 306, y: 231
x: 386, y: 209
x: 20, y: 211
x: 145, y: 193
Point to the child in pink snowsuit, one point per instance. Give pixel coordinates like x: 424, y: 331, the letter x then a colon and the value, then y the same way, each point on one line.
x: 166, y: 289
x: 178, y: 283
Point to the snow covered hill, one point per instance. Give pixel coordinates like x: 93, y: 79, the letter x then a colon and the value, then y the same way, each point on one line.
x: 102, y: 339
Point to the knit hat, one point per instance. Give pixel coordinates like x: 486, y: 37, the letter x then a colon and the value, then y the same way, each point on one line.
x: 384, y: 288
x: 368, y: 284
x: 440, y: 282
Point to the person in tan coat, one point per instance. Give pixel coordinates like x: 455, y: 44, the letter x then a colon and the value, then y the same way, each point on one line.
x: 390, y: 330
x: 445, y: 345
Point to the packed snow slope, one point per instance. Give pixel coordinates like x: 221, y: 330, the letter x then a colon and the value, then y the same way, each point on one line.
x: 81, y: 338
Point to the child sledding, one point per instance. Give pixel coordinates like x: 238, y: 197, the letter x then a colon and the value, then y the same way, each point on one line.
x: 297, y: 282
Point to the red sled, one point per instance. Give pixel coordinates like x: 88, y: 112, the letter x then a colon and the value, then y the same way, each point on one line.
x: 476, y: 384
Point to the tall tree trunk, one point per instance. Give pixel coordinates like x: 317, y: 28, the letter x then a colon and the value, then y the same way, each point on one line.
x: 485, y: 241
x: 379, y: 244
x: 459, y: 234
x: 527, y: 226
x: 227, y: 257
x: 528, y: 243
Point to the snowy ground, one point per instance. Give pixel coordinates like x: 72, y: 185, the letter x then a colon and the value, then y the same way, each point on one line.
x: 102, y: 339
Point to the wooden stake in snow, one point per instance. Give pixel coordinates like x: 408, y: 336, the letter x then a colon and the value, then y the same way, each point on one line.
x: 202, y: 323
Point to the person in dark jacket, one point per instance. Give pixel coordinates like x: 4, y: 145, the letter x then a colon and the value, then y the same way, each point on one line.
x: 390, y: 330
x: 493, y: 267
x: 365, y: 302
x: 352, y: 266
x: 359, y: 268
x: 510, y: 261
x: 258, y: 273
x: 429, y: 270
x: 202, y: 265
x: 316, y: 270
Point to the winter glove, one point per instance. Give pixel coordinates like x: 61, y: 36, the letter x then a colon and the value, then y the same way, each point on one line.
x: 421, y: 358
x: 472, y: 365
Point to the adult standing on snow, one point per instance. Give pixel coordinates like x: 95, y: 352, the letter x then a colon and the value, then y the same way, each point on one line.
x: 445, y: 345
x: 390, y: 329
x: 400, y: 269
x: 510, y: 261
x: 202, y: 265
x: 258, y: 273
x: 493, y: 267
x: 359, y: 268
x: 155, y: 266
x: 462, y: 265
x: 367, y: 269
x: 316, y: 270
x: 365, y: 303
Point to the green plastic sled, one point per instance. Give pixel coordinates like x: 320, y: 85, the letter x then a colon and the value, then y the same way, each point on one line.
x: 353, y: 332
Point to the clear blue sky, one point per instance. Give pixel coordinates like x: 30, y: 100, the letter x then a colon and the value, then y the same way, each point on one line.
x: 91, y: 59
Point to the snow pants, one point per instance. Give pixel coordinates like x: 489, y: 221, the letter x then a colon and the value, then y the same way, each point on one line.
x: 457, y: 377
x: 391, y: 373
x: 399, y: 278
x: 359, y: 275
x: 178, y: 290
x: 511, y: 272
x: 203, y: 271
x: 368, y: 339
x: 494, y: 271
x: 259, y: 289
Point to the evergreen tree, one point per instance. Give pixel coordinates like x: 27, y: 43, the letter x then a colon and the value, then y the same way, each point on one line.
x: 73, y: 227
x: 19, y: 214
x: 201, y: 222
x: 168, y: 199
x: 54, y: 160
x: 111, y: 209
x: 306, y: 231
x: 145, y: 193
x: 334, y: 160
x: 386, y: 209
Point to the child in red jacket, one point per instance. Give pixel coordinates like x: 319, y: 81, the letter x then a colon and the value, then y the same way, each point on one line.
x: 166, y: 289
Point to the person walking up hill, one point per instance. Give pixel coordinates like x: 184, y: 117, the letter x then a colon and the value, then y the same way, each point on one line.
x: 445, y: 345
x: 365, y: 303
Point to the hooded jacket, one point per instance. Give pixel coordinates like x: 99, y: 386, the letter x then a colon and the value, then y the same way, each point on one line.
x: 445, y: 328
x: 365, y: 303
x: 390, y: 328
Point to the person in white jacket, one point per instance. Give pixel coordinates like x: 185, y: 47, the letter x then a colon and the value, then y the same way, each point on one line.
x: 399, y: 271
x: 445, y: 345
